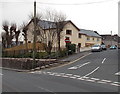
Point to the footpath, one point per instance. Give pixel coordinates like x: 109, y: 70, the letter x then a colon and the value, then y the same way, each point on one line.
x: 75, y: 56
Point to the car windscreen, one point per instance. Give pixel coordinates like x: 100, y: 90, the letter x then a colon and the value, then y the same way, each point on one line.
x: 95, y: 46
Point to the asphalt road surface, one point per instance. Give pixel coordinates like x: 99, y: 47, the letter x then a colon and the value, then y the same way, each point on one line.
x: 95, y: 72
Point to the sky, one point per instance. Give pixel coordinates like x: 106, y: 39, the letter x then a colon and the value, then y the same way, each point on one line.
x: 97, y: 15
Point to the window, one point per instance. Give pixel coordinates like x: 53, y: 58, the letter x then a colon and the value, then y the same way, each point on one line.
x: 29, y: 41
x: 79, y: 35
x: 88, y: 38
x: 97, y: 39
x: 69, y: 32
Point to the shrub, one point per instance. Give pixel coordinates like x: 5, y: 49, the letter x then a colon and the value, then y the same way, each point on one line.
x: 71, y: 48
x: 63, y: 53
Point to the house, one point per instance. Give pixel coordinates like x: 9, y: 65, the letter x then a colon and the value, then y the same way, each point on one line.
x: 89, y: 38
x: 109, y: 40
x: 83, y: 39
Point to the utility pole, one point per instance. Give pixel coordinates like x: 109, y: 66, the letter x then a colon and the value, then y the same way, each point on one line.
x: 34, y: 39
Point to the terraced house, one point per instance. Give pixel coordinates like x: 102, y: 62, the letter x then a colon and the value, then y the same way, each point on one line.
x: 83, y: 39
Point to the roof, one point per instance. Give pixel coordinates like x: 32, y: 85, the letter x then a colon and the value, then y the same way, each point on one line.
x: 49, y: 24
x: 46, y: 24
x: 89, y: 33
x: 108, y: 37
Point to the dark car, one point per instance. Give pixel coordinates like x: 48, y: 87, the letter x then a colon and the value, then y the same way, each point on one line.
x: 103, y: 47
x: 113, y: 47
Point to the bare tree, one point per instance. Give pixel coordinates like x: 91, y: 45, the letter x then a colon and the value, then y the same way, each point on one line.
x: 24, y: 33
x: 59, y: 19
x: 16, y: 33
x: 25, y: 27
x: 9, y: 33
x: 47, y: 36
x: 3, y: 35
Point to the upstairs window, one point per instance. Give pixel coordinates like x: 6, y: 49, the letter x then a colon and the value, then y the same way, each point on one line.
x: 88, y: 38
x: 79, y: 35
x: 69, y: 32
x: 97, y: 39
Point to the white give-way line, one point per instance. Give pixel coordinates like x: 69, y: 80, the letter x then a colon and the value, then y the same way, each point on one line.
x: 78, y: 66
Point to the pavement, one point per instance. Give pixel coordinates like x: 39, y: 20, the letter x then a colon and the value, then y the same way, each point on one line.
x: 74, y: 56
x: 92, y: 73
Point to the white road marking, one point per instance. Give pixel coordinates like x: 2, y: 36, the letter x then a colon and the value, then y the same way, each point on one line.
x: 78, y: 66
x: 95, y: 79
x: 1, y: 74
x: 115, y: 84
x: 118, y: 73
x: 71, y: 62
x: 46, y: 90
x: 89, y: 80
x: 32, y: 72
x: 39, y: 72
x: 103, y: 60
x: 72, y: 77
x: 72, y: 68
x: 101, y: 82
x: 76, y: 75
x: 57, y: 75
x: 80, y: 78
x: 44, y: 72
x: 80, y: 58
x: 84, y: 78
x: 62, y: 73
x: 92, y: 72
x: 108, y: 81
x: 69, y: 74
x: 48, y: 72
x: 51, y: 74
x: 65, y: 76
x: 84, y: 64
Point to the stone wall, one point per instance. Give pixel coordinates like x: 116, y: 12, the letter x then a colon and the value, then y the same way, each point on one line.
x: 25, y: 63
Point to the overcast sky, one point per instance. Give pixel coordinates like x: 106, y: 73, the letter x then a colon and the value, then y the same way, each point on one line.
x: 97, y: 15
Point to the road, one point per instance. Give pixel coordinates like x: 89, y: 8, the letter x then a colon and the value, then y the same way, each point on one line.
x: 96, y: 72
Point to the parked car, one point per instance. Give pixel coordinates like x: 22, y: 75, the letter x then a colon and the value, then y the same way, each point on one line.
x: 103, y: 47
x: 113, y: 47
x: 96, y: 48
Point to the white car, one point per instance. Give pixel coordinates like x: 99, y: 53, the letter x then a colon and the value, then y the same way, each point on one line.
x: 96, y: 48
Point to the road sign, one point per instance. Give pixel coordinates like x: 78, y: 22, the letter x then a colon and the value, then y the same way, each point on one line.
x: 67, y: 40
